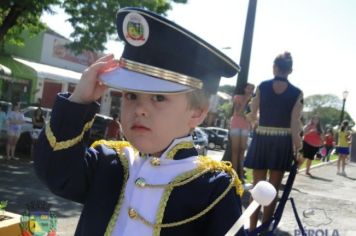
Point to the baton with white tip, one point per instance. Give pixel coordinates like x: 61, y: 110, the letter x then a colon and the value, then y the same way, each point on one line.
x: 263, y: 194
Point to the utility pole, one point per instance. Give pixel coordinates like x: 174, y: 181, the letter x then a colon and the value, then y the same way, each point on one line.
x: 246, y: 47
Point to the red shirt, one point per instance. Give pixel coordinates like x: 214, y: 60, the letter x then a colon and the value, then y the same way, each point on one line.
x: 329, y: 140
x: 312, y: 136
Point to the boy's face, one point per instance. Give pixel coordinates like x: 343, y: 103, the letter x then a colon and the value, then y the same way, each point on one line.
x: 152, y: 121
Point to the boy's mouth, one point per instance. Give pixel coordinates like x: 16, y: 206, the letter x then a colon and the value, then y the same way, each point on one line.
x: 139, y: 127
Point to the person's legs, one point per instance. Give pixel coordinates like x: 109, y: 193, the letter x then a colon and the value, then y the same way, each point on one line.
x: 275, y: 179
x: 338, y: 163
x: 9, y: 144
x: 234, y: 151
x: 307, y: 166
x: 343, y: 163
x: 328, y: 153
x: 13, y: 147
x: 258, y: 175
x: 241, y: 157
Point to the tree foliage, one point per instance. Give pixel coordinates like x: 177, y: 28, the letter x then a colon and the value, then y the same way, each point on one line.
x: 327, y: 107
x: 18, y: 15
x: 93, y: 20
x: 317, y: 101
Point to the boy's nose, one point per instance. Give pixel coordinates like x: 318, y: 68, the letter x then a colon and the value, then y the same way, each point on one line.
x: 141, y: 109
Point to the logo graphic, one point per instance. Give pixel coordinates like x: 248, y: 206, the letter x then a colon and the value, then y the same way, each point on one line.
x: 38, y: 220
x: 316, y: 217
x: 135, y: 29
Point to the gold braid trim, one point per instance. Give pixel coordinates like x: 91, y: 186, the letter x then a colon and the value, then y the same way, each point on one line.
x: 119, y: 148
x: 273, y: 131
x: 167, y: 192
x: 224, y: 166
x: 176, y: 148
x: 68, y: 143
x: 205, y: 164
x: 117, y: 145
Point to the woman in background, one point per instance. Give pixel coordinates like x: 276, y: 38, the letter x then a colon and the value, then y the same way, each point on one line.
x: 240, y: 129
x: 277, y: 109
x: 38, y: 119
x: 15, y: 119
x: 312, y: 141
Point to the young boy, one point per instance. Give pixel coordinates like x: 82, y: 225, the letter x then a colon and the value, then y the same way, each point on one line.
x: 155, y: 184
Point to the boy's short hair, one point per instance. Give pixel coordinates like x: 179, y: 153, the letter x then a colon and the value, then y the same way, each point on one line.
x: 198, y: 99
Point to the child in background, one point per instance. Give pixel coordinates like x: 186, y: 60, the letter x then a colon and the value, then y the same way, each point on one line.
x: 343, y: 147
x: 329, y: 144
x: 154, y: 184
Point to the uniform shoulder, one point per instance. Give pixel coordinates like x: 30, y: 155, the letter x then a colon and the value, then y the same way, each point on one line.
x: 118, y: 146
x: 220, y: 172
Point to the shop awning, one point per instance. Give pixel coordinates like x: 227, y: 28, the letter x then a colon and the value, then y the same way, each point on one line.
x: 51, y: 72
x: 16, y: 69
x: 5, y: 70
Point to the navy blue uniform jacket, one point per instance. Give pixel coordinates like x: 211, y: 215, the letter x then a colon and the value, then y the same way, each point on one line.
x: 97, y: 177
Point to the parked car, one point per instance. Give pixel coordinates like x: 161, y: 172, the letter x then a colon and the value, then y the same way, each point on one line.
x: 6, y: 105
x: 200, y: 140
x: 214, y: 139
x: 97, y: 131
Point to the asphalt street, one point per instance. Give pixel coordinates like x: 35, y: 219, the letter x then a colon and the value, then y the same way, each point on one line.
x: 326, y: 202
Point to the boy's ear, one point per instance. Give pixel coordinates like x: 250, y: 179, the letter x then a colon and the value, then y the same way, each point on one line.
x: 198, y: 116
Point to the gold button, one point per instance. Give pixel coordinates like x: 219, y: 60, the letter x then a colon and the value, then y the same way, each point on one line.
x: 140, y: 182
x: 155, y: 161
x: 132, y: 213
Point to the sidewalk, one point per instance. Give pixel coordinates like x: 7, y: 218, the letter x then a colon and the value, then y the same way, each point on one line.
x: 19, y: 185
x: 327, y: 200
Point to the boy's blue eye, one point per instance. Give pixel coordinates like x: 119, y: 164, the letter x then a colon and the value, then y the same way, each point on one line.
x: 159, y: 98
x: 130, y: 96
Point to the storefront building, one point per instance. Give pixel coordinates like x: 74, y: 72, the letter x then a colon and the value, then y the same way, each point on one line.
x: 36, y: 72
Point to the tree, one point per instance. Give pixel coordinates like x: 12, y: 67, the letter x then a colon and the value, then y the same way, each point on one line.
x: 93, y: 21
x: 314, y: 102
x: 17, y: 15
x: 327, y: 107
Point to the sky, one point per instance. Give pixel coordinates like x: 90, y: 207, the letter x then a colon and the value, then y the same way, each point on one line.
x: 320, y: 34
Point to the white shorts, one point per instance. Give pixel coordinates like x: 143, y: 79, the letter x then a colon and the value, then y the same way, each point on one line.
x: 239, y: 132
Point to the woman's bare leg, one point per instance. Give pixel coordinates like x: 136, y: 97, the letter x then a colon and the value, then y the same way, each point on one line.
x: 258, y: 175
x: 235, y: 146
x: 275, y: 179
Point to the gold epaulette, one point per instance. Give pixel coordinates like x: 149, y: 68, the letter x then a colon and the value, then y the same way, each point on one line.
x: 67, y: 143
x: 225, y: 166
x: 117, y: 145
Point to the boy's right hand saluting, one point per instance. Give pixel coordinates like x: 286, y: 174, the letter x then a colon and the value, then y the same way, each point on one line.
x: 90, y: 88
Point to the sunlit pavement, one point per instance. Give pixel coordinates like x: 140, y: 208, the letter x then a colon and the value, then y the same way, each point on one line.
x: 216, y: 154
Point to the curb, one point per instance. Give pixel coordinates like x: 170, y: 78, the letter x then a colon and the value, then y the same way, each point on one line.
x: 312, y: 167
